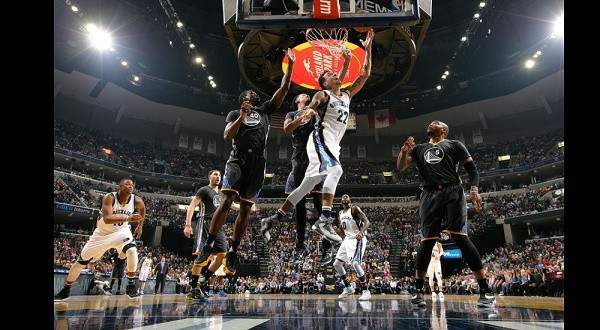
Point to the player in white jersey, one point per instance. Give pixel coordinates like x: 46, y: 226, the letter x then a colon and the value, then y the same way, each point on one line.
x: 353, y: 225
x: 112, y: 231
x: 435, y: 269
x: 323, y: 147
x: 144, y: 271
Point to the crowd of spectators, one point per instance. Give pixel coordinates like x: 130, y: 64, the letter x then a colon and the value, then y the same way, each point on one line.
x: 399, y: 220
x: 535, y: 268
x: 191, y: 163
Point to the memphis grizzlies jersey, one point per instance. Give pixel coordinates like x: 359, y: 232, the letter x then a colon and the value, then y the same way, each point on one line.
x: 146, y: 264
x: 349, y: 223
x: 126, y: 208
x: 334, y: 120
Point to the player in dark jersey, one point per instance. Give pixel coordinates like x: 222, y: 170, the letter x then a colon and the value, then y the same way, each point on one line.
x: 207, y: 199
x: 442, y: 205
x: 118, y: 270
x: 244, y: 175
x: 300, y: 124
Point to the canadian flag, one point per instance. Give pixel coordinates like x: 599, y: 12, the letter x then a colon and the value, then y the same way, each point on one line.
x: 382, y: 118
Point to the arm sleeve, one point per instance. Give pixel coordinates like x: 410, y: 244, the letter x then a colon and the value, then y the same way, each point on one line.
x: 472, y: 172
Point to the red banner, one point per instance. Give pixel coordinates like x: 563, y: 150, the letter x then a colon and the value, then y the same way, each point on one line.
x: 312, y: 61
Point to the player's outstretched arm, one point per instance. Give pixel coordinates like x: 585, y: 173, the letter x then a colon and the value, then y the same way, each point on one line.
x: 358, y: 84
x: 281, y: 92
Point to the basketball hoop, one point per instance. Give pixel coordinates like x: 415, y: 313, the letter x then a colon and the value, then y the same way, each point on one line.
x: 332, y: 39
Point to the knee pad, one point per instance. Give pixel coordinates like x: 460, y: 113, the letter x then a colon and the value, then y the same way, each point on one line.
x: 333, y: 177
x: 339, y: 267
x: 132, y: 258
x: 359, y: 271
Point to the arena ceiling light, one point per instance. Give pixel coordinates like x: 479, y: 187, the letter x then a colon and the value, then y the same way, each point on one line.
x: 99, y: 39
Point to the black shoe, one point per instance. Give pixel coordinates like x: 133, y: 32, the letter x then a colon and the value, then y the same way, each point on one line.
x: 64, y: 294
x: 196, y: 293
x: 486, y: 299
x: 232, y: 263
x: 131, y: 291
x: 324, y: 261
x: 203, y: 258
x: 265, y: 226
x: 328, y: 257
x: 417, y: 300
x: 301, y: 253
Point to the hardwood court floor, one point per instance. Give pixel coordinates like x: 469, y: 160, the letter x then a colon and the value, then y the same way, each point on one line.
x: 238, y: 311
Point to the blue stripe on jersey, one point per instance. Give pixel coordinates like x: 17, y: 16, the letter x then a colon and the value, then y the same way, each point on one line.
x: 358, y: 252
x: 325, y: 156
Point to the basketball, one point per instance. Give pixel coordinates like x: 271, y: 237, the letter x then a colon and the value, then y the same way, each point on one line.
x: 362, y: 29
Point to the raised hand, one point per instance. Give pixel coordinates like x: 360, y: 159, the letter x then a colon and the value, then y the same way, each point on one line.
x: 291, y: 55
x: 346, y: 52
x: 369, y: 39
x: 409, y: 144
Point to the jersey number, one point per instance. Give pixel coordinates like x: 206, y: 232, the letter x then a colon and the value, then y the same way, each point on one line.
x: 343, y: 118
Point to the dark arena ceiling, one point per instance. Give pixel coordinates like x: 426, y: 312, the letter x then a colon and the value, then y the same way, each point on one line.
x: 488, y: 64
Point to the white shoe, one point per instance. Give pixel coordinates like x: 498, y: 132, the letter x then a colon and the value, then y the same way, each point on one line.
x: 325, y: 229
x: 347, y: 290
x: 433, y: 296
x: 366, y: 295
x: 441, y: 296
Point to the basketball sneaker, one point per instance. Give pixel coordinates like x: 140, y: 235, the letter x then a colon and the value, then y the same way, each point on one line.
x: 222, y: 293
x: 265, y: 226
x: 486, y: 299
x: 434, y: 296
x: 325, y: 229
x: 301, y: 253
x: 195, y: 293
x: 210, y: 293
x: 324, y: 261
x: 417, y: 300
x: 441, y: 296
x: 64, y: 294
x: 131, y: 291
x: 347, y: 290
x: 231, y: 263
x: 366, y: 295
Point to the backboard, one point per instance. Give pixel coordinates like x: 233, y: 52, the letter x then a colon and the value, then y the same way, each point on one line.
x: 292, y: 14
x: 261, y: 30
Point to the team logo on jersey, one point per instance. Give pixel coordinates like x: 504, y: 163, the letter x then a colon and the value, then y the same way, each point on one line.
x: 252, y: 119
x: 434, y: 155
x: 217, y: 200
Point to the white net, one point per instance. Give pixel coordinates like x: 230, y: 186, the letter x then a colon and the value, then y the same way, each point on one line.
x: 334, y: 39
